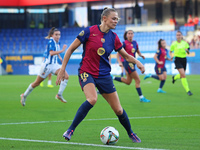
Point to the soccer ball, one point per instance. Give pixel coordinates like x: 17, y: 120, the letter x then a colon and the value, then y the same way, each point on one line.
x: 109, y: 135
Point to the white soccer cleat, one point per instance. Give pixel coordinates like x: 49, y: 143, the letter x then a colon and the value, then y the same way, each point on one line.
x: 23, y: 99
x: 60, y: 97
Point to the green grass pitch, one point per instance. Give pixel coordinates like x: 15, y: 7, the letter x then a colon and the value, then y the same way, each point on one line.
x: 170, y: 121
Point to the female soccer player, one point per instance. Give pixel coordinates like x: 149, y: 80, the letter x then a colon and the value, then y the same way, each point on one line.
x: 131, y: 48
x: 98, y: 43
x: 49, y: 65
x: 180, y: 48
x: 161, y: 71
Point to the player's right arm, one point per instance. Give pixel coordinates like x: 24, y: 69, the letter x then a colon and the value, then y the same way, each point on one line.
x: 70, y: 50
x: 52, y: 52
x: 156, y: 59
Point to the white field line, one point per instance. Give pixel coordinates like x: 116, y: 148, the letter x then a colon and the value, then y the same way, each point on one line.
x: 151, y: 117
x: 73, y: 143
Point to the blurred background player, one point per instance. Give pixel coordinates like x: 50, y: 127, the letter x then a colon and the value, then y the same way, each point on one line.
x: 49, y: 83
x: 50, y: 65
x: 180, y: 48
x: 131, y: 48
x: 160, y: 69
x: 98, y: 43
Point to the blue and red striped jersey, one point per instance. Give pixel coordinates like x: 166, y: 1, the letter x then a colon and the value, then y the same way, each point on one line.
x: 130, y: 47
x: 97, y: 46
x: 162, y: 55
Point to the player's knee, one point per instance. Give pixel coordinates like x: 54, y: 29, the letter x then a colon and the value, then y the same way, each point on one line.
x: 119, y: 111
x: 66, y: 76
x: 35, y: 84
x: 182, y: 75
x: 161, y: 78
x: 92, y: 100
x: 128, y: 82
x: 137, y: 81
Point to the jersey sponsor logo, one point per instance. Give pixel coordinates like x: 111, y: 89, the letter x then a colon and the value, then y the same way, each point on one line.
x: 133, y: 50
x: 101, y: 51
x: 102, y: 40
x: 95, y: 34
x: 82, y: 33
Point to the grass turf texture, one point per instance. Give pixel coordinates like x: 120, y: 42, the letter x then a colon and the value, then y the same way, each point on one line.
x: 176, y: 133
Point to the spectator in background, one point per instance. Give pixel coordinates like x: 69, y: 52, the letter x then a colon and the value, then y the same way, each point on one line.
x: 198, y: 34
x: 196, y: 21
x: 32, y: 24
x: 76, y: 24
x: 194, y: 44
x: 41, y: 25
x: 190, y: 19
x: 172, y: 21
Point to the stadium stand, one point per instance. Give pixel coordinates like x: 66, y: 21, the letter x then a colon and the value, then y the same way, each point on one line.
x: 33, y: 40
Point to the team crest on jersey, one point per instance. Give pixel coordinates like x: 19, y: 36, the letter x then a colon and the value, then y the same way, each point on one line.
x: 102, y: 40
x: 101, y: 51
x: 133, y: 50
x: 81, y: 33
x: 158, y: 51
x: 132, y: 45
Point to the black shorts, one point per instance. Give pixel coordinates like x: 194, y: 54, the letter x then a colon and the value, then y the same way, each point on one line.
x: 180, y: 63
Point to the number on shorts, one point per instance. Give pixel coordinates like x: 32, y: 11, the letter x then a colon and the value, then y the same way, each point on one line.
x: 131, y: 65
x: 84, y: 76
x: 159, y: 70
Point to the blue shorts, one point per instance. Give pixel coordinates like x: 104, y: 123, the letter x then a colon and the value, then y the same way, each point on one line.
x: 129, y: 67
x: 104, y: 85
x: 160, y: 71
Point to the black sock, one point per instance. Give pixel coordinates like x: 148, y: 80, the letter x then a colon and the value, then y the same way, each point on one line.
x: 124, y: 120
x: 80, y: 114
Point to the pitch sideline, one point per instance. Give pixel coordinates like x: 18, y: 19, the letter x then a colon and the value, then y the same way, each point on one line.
x: 82, y: 144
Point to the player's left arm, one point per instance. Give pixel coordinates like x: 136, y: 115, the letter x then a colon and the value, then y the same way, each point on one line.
x: 60, y: 57
x: 131, y: 59
x: 167, y: 58
x: 140, y: 54
x: 138, y: 51
x: 187, y: 49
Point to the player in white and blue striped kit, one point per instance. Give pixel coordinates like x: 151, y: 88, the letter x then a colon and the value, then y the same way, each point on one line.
x: 49, y: 84
x: 50, y: 65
